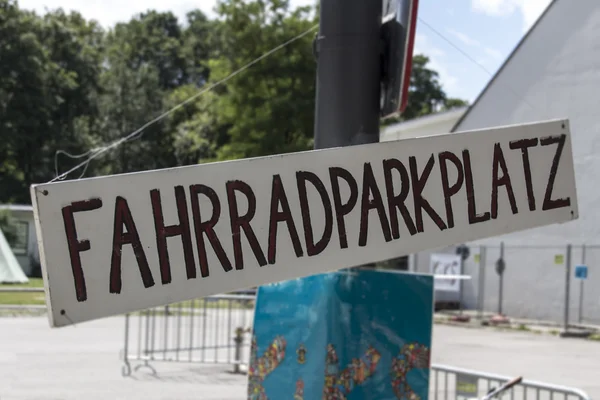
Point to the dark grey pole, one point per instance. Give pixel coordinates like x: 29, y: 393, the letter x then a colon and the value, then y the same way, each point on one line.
x: 501, y: 282
x: 348, y: 50
x: 461, y: 286
x: 481, y: 288
x: 567, y: 288
x: 580, y: 319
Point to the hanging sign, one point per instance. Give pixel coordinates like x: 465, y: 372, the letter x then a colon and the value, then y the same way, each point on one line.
x: 122, y: 243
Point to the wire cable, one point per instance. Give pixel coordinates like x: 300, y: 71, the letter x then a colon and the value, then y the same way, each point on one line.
x: 464, y: 53
x: 95, y: 153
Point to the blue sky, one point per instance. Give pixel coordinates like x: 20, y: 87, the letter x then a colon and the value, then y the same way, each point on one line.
x: 487, y: 30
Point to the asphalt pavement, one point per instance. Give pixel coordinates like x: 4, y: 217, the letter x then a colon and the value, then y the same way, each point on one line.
x: 83, y: 361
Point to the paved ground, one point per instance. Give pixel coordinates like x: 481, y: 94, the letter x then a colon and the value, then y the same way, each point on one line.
x: 546, y: 358
x: 83, y: 362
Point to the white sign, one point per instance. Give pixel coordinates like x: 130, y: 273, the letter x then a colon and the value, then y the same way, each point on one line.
x: 121, y: 243
x: 445, y: 265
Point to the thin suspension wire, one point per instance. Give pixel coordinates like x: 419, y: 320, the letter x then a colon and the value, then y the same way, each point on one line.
x: 95, y: 153
x: 464, y: 53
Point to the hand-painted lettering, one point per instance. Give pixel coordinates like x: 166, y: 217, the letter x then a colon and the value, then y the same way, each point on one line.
x: 447, y: 189
x: 500, y: 163
x: 421, y: 203
x: 550, y: 204
x: 163, y: 232
x: 312, y: 248
x: 266, y: 230
x: 343, y: 209
x: 524, y: 145
x: 474, y: 218
x: 124, y: 219
x: 396, y: 202
x: 279, y: 198
x: 242, y: 222
x: 76, y: 246
x: 207, y: 228
x: 367, y: 204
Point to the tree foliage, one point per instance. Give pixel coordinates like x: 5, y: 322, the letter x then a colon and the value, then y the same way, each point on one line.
x: 426, y: 95
x: 67, y: 84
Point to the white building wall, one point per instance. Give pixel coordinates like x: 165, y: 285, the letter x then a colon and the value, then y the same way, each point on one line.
x: 554, y: 74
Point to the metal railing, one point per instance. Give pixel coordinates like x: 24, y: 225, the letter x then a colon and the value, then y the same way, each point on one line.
x: 503, y: 275
x: 213, y: 330
x: 209, y: 330
x: 447, y: 382
x: 217, y: 330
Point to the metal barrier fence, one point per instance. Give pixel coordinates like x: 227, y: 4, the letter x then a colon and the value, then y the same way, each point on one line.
x: 538, y: 282
x: 453, y: 383
x: 209, y: 330
x: 217, y: 330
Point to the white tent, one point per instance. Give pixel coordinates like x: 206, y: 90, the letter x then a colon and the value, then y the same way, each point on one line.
x: 10, y: 270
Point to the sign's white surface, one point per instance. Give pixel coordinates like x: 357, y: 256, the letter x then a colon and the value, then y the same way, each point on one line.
x: 121, y: 243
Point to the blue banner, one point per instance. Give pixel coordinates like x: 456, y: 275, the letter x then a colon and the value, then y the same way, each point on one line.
x: 346, y: 335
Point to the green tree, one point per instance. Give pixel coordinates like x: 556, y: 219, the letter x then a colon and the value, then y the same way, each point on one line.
x: 66, y: 84
x: 76, y: 50
x: 151, y: 63
x: 48, y: 81
x: 269, y: 108
x: 131, y: 98
x: 194, y: 128
x: 152, y: 38
x: 425, y: 94
x: 452, y: 102
x: 24, y: 101
x: 200, y: 43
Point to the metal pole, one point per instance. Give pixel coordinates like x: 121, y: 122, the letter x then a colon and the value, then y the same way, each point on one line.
x: 481, y: 289
x: 501, y: 282
x: 348, y: 50
x: 126, y: 369
x: 580, y: 319
x: 567, y: 288
x: 415, y: 262
x: 461, y: 286
x: 239, y: 341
